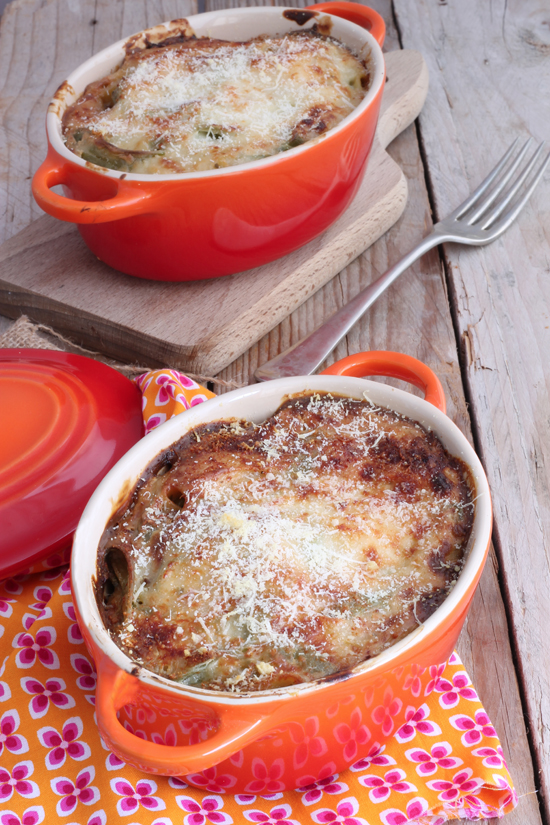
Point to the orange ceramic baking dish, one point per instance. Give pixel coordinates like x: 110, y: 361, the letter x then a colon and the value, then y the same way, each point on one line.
x: 204, y: 224
x: 293, y: 735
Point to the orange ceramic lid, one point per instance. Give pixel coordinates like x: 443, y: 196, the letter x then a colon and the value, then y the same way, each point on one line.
x: 65, y: 420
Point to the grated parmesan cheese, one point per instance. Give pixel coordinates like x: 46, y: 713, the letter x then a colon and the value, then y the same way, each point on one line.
x: 286, y: 566
x: 204, y: 104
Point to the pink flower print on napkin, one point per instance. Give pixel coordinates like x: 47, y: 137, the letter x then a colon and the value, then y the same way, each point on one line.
x: 266, y: 779
x: 250, y: 798
x: 64, y: 588
x: 509, y: 795
x: 154, y: 421
x: 5, y: 690
x: 416, y: 808
x: 143, y: 381
x: 210, y: 780
x: 384, y: 713
x: 132, y: 799
x: 97, y: 818
x: 42, y: 695
x: 345, y: 813
x: 6, y: 608
x: 416, y: 720
x: 71, y: 793
x: 18, y: 782
x: 169, y: 388
x: 461, y: 787
x: 31, y: 816
x: 436, y: 672
x: 375, y: 756
x: 42, y: 594
x: 9, y: 739
x: 305, y: 736
x: 113, y: 763
x: 313, y: 791
x: 352, y: 735
x: 474, y: 729
x: 452, y: 692
x: 439, y: 757
x: 209, y: 810
x: 88, y: 676
x: 73, y: 633
x: 64, y: 744
x: 177, y: 782
x: 36, y: 649
x: 13, y: 586
x: 277, y: 816
x: 492, y: 758
x: 28, y: 620
x: 394, y: 780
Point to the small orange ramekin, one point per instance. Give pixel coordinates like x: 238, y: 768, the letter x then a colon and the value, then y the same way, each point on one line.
x: 205, y: 224
x: 290, y: 736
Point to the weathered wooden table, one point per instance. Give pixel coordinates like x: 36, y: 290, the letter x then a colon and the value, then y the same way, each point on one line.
x: 479, y: 318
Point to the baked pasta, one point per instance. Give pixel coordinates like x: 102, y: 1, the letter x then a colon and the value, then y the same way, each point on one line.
x: 251, y: 557
x: 179, y: 103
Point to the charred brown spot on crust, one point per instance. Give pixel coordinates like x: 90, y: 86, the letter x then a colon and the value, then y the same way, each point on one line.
x: 367, y: 472
x: 59, y: 100
x: 406, y: 488
x: 323, y: 25
x: 440, y: 483
x: 165, y: 462
x: 114, y: 584
x: 298, y: 16
x: 340, y: 676
x: 175, y: 32
x: 428, y: 603
x: 438, y: 558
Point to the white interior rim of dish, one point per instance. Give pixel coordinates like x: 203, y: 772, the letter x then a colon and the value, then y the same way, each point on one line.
x: 264, y: 397
x: 104, y: 62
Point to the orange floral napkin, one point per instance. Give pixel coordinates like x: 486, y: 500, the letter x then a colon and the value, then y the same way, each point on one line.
x: 443, y: 763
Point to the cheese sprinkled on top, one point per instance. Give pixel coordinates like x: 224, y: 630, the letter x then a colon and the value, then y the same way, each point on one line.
x: 263, y: 556
x: 204, y: 104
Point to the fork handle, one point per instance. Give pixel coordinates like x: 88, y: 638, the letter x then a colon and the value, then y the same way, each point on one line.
x: 308, y: 354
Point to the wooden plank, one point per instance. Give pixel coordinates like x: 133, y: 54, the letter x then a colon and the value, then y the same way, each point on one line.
x: 413, y: 317
x: 491, y: 82
x: 202, y: 326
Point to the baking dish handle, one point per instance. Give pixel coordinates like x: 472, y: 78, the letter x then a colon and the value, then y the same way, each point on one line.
x: 116, y: 688
x: 360, y: 15
x: 393, y: 365
x: 125, y: 202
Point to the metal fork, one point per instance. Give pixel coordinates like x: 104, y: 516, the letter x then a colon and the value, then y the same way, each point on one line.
x: 477, y: 221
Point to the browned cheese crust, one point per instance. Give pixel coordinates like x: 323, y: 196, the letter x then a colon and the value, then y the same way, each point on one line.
x: 187, y: 104
x: 259, y: 556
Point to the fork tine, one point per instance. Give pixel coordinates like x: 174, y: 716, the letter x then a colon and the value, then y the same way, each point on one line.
x: 498, y: 228
x: 484, y: 185
x: 490, y: 199
x: 499, y: 209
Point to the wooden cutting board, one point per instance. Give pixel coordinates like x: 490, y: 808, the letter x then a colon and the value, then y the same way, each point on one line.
x: 47, y: 272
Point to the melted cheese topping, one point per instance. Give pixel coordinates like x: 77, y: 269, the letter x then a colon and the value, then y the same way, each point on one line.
x: 257, y: 557
x: 205, y: 104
